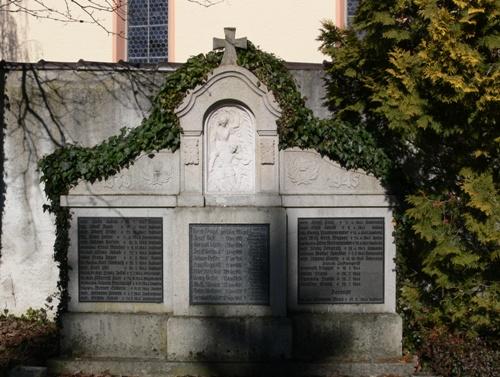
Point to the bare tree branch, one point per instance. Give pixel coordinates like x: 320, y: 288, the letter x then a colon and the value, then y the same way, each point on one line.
x: 77, y: 11
x: 67, y: 11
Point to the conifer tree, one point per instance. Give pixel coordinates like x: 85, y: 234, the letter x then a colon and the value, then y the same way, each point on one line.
x: 423, y: 77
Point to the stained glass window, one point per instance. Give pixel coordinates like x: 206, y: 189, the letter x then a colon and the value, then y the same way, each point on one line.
x: 147, y: 23
x: 352, y: 5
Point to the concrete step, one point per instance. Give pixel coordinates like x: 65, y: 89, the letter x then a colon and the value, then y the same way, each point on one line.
x: 162, y: 368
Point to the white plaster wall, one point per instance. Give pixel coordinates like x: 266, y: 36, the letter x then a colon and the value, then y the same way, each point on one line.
x: 42, y: 38
x: 92, y: 107
x: 288, y: 28
x: 28, y: 274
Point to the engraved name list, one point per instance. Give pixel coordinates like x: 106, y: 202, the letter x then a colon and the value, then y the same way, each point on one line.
x: 341, y: 260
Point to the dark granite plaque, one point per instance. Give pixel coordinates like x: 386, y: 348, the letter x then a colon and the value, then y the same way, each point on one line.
x: 120, y: 259
x: 229, y: 264
x: 341, y: 260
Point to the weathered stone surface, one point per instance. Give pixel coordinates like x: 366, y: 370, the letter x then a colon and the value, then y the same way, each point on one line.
x: 157, y: 368
x: 229, y: 44
x: 224, y: 339
x: 306, y: 172
x: 347, y: 336
x: 114, y: 335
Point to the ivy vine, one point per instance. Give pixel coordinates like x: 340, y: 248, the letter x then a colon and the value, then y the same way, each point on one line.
x: 348, y: 144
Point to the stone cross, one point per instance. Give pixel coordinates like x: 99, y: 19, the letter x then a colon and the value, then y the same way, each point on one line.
x: 229, y: 45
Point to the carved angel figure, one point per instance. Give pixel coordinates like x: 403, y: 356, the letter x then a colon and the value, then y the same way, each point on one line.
x: 231, y: 159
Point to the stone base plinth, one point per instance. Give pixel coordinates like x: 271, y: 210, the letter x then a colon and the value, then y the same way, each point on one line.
x: 347, y: 336
x: 136, y: 335
x: 318, y: 338
x: 229, y: 339
x: 160, y: 368
x: 114, y: 335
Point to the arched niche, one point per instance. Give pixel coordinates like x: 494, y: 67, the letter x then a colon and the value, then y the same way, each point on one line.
x: 229, y: 144
x: 230, y: 140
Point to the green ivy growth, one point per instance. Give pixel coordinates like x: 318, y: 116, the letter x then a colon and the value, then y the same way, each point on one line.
x: 348, y: 144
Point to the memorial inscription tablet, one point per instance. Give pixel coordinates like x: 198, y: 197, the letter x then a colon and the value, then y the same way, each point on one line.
x: 229, y: 264
x: 120, y: 259
x: 341, y: 260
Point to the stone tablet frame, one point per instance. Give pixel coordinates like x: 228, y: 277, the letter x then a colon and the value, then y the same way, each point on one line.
x: 389, y: 304
x: 158, y: 299
x: 275, y: 217
x: 332, y: 302
x: 121, y: 307
x: 268, y: 261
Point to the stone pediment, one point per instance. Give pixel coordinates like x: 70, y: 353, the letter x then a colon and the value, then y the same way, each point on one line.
x: 229, y: 84
x: 229, y: 145
x: 229, y: 157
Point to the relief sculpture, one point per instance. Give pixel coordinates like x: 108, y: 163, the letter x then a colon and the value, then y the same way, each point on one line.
x: 345, y: 180
x: 231, y: 151
x: 118, y: 181
x: 191, y: 152
x: 302, y: 171
x: 159, y: 173
x: 267, y: 152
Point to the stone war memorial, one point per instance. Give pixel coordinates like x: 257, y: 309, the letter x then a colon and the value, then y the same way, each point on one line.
x: 231, y: 255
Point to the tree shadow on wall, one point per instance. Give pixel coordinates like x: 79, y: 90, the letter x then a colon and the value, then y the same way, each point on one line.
x: 45, y: 106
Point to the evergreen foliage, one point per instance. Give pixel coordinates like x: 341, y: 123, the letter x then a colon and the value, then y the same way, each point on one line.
x: 422, y: 76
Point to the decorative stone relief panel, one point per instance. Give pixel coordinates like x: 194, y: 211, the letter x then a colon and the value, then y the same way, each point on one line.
x: 158, y: 175
x: 302, y: 170
x: 230, y: 161
x: 267, y: 148
x: 191, y: 151
x: 118, y: 181
x: 306, y: 172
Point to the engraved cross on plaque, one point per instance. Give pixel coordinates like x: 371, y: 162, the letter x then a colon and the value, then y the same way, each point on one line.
x: 229, y: 44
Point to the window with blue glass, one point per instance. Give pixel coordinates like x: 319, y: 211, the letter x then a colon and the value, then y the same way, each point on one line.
x: 352, y: 5
x: 147, y: 24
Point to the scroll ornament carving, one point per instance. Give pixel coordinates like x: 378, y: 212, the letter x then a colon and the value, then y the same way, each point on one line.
x: 302, y: 171
x: 231, y: 157
x: 191, y: 152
